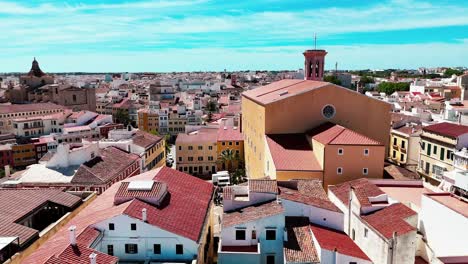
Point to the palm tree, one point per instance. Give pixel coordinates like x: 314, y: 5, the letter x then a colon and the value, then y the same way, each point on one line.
x: 228, y: 157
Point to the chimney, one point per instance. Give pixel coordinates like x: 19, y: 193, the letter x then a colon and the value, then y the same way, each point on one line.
x: 144, y: 216
x: 7, y: 171
x: 72, y: 235
x: 92, y: 258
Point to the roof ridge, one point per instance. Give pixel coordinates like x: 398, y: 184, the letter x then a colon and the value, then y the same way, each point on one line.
x: 338, y: 134
x: 268, y: 92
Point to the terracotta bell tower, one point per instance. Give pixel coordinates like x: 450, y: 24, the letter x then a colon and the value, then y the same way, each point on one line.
x: 314, y: 64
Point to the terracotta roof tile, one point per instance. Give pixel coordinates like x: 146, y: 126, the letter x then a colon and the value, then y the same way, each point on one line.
x: 263, y: 186
x: 80, y: 255
x: 17, y: 203
x: 308, y: 192
x: 145, y: 140
x: 229, y: 134
x: 282, y: 89
x: 363, y: 189
x: 391, y: 219
x: 292, y: 152
x: 300, y: 246
x: 153, y: 196
x: 330, y: 239
x: 332, y: 134
x: 447, y: 129
x: 104, y: 168
x: 16, y: 108
x: 252, y: 213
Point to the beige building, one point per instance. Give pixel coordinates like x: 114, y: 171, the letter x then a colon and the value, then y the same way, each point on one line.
x: 9, y: 114
x: 439, y: 142
x: 196, y: 152
x: 296, y: 106
x: 404, y: 145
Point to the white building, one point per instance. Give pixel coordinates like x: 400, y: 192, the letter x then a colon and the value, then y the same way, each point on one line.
x: 383, y: 229
x: 443, y: 221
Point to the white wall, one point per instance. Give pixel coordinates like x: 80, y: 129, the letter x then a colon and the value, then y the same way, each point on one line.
x: 145, y: 236
x: 316, y: 215
x: 228, y: 236
x: 254, y: 198
x: 65, y: 157
x: 328, y: 256
x: 445, y: 230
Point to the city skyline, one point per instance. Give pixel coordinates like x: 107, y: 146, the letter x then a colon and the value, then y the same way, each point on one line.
x: 203, y: 35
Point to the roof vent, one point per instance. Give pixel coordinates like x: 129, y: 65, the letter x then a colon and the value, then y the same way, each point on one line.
x: 283, y: 93
x: 225, y: 128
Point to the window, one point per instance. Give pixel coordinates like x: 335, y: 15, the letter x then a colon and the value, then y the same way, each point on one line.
x: 449, y: 154
x: 131, y: 248
x: 237, y: 143
x: 254, y: 234
x: 210, y: 147
x: 442, y: 153
x: 328, y: 111
x: 394, y: 141
x: 74, y: 98
x: 270, y: 259
x: 133, y: 226
x: 110, y: 250
x: 200, y: 147
x: 366, y: 152
x: 365, y: 232
x: 157, y: 249
x: 240, y: 234
x: 339, y: 170
x: 394, y: 154
x: 190, y: 147
x: 230, y: 143
x: 111, y: 226
x: 200, y: 158
x: 365, y: 171
x: 180, y: 147
x: 423, y: 145
x: 270, y: 234
x: 210, y: 158
x: 353, y: 234
x: 179, y: 249
x: 190, y: 158
x: 403, y: 144
x: 428, y: 149
x: 340, y: 151
x: 402, y: 157
x: 223, y: 143
x: 435, y: 150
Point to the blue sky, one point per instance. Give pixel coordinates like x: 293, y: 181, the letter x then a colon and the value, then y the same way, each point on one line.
x: 194, y: 35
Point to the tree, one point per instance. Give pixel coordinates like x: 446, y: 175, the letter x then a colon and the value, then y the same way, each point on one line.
x: 212, y: 106
x: 122, y: 117
x: 332, y: 79
x: 367, y: 79
x: 228, y: 157
x: 449, y: 72
x: 391, y: 87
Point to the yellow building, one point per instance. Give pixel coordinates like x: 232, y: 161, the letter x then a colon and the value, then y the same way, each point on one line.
x: 176, y: 123
x: 148, y: 120
x: 196, y: 152
x: 155, y: 148
x: 230, y: 138
x: 23, y: 155
x: 404, y: 146
x: 439, y: 142
x: 296, y: 106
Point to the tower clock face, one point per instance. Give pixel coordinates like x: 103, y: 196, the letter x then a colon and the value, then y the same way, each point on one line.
x: 328, y: 111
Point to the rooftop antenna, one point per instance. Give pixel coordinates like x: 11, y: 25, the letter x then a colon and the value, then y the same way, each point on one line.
x: 315, y: 40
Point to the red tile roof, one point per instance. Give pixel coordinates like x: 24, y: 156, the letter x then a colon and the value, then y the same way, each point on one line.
x: 17, y: 203
x: 332, y: 134
x: 300, y: 246
x: 145, y: 140
x: 180, y: 216
x: 282, y: 89
x: 228, y: 133
x: 153, y: 196
x: 308, y: 192
x: 208, y: 135
x: 80, y: 255
x: 185, y: 211
x: 252, y: 213
x: 104, y: 168
x: 363, y: 189
x: 330, y: 239
x: 292, y: 152
x: 447, y: 129
x: 17, y: 108
x: 263, y: 186
x: 391, y: 219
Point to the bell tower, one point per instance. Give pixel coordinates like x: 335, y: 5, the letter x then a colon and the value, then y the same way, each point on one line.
x: 314, y: 63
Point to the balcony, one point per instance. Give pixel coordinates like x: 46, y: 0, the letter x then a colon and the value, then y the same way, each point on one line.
x: 239, y: 254
x: 34, y: 126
